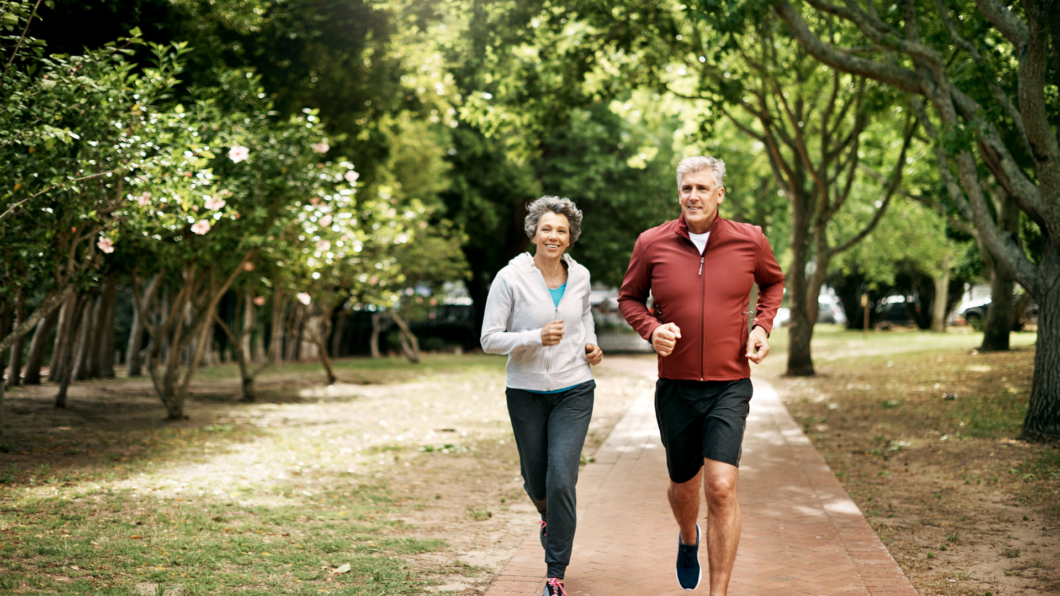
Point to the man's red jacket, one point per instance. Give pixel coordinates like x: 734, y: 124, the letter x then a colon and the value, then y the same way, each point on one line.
x: 706, y: 295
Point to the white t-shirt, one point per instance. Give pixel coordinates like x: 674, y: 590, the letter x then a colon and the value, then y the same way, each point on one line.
x: 700, y: 240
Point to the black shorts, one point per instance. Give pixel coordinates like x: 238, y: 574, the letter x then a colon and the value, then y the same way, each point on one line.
x: 701, y: 419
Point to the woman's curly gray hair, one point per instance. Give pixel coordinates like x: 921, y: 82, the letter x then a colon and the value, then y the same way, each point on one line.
x: 556, y: 205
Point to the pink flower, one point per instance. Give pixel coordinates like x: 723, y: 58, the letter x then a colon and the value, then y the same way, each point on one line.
x: 325, y: 221
x: 259, y: 300
x: 201, y: 227
x: 351, y: 176
x: 106, y: 245
x: 238, y: 153
x: 323, y: 245
x: 214, y: 204
x: 248, y: 266
x: 321, y: 147
x: 304, y: 298
x: 144, y: 199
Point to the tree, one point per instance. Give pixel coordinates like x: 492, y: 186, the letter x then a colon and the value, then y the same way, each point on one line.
x: 985, y: 76
x: 204, y: 216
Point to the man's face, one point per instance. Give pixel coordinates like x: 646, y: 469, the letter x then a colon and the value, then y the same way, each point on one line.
x: 699, y: 197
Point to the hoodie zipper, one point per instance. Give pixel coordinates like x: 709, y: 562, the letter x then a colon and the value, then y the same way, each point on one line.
x: 555, y: 314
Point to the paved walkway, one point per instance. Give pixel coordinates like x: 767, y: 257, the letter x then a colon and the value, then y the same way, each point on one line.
x: 801, y: 532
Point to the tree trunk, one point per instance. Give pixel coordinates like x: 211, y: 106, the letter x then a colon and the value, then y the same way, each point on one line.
x: 999, y: 313
x: 103, y: 360
x: 245, y: 375
x: 800, y: 333
x: 134, y: 365
x: 79, y: 310
x: 319, y: 337
x: 296, y: 333
x: 259, y: 348
x: 276, y: 335
x: 14, y: 377
x: 36, y: 348
x: 1043, y: 412
x: 136, y: 335
x: 938, y: 312
x: 409, y: 344
x: 83, y: 340
x: 248, y: 323
x: 63, y: 337
x: 336, y: 334
x: 998, y: 321
x: 4, y: 330
x: 373, y: 342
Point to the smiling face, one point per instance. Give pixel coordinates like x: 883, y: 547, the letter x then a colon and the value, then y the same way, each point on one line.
x: 553, y: 235
x: 699, y: 197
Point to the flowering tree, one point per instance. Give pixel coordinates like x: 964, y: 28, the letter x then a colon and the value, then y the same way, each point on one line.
x: 71, y: 129
x: 232, y: 190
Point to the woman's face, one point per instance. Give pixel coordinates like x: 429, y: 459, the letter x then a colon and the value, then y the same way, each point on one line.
x: 553, y: 235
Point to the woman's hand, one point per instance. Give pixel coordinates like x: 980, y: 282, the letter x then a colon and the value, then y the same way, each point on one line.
x: 594, y: 354
x: 552, y: 333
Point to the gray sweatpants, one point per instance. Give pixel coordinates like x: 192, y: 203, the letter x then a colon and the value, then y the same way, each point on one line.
x: 550, y: 432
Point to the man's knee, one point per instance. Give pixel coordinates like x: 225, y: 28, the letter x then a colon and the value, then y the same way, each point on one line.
x: 720, y: 484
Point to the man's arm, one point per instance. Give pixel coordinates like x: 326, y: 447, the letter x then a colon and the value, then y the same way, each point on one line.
x: 633, y: 294
x: 770, y: 280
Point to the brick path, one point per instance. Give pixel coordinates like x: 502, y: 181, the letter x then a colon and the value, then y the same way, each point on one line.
x: 801, y: 532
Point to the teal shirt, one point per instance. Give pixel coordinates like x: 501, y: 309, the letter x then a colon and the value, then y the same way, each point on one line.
x: 557, y: 295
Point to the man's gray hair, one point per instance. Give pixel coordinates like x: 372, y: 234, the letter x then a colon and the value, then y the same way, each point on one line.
x: 565, y: 207
x: 691, y: 165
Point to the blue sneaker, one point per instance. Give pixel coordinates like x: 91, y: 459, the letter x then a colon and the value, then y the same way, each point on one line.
x: 689, y: 571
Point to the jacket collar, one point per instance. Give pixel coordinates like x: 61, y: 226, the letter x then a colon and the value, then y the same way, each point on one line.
x: 682, y: 226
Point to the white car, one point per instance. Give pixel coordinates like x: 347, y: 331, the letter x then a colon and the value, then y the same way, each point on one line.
x: 782, y: 317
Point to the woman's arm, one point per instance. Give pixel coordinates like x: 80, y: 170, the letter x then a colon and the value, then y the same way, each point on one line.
x: 496, y: 339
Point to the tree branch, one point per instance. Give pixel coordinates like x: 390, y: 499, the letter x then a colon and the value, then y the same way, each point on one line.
x: 899, y: 77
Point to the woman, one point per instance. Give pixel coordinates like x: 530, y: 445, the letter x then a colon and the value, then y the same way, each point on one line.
x: 538, y: 314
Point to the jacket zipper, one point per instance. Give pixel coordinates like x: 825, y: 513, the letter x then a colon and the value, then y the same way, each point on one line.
x: 702, y: 304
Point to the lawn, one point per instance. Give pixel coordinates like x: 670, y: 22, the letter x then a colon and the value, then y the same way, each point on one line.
x: 403, y: 479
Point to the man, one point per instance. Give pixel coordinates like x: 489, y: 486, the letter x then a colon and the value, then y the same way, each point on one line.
x: 700, y: 269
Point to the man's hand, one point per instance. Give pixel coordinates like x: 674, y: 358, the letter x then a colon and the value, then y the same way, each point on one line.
x: 757, y: 345
x: 552, y: 333
x: 664, y: 338
x: 594, y: 354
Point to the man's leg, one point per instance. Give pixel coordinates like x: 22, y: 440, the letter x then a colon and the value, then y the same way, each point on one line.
x: 723, y: 522
x: 684, y: 502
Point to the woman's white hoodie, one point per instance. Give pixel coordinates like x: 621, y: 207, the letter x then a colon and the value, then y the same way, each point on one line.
x: 519, y: 305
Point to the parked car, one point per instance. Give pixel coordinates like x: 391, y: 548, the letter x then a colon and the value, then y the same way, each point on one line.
x: 974, y: 312
x: 782, y: 318
x: 829, y: 311
x: 892, y: 312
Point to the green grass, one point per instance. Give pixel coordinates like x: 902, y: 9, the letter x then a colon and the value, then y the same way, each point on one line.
x: 105, y: 541
x: 831, y: 342
x: 131, y: 509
